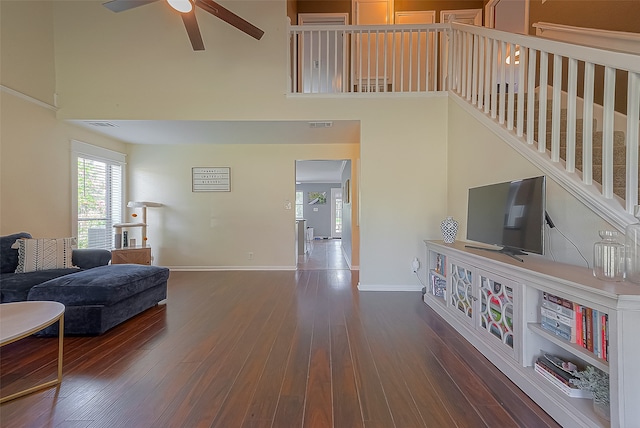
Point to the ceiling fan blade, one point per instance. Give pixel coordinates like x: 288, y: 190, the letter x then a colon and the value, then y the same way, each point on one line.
x: 230, y: 18
x: 193, y: 30
x: 122, y: 5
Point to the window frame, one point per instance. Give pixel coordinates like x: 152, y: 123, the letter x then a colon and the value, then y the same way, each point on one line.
x: 81, y: 149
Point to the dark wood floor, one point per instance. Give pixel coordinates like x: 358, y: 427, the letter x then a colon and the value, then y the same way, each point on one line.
x: 268, y: 349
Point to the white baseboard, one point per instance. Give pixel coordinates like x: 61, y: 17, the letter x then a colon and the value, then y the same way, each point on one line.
x: 381, y: 287
x: 226, y: 268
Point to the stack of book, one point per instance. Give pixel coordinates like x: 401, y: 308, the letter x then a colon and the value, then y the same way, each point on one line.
x: 576, y: 323
x: 558, y: 373
x: 438, y: 286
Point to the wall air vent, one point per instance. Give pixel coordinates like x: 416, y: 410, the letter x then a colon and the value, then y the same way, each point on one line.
x: 101, y: 124
x: 320, y: 124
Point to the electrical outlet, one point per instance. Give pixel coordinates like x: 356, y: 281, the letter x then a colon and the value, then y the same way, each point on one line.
x: 415, y: 265
x: 250, y: 255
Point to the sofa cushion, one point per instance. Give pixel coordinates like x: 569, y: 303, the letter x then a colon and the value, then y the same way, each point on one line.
x: 44, y: 254
x: 103, y: 285
x: 8, y: 255
x: 14, y: 287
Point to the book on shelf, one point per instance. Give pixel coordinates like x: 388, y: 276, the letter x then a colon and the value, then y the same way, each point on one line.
x: 579, y: 324
x: 550, y: 326
x: 438, y: 286
x: 558, y: 304
x: 555, y: 380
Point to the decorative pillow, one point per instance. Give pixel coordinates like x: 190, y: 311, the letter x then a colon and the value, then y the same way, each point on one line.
x: 43, y: 254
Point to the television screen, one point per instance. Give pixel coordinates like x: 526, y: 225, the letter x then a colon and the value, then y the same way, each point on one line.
x: 509, y: 214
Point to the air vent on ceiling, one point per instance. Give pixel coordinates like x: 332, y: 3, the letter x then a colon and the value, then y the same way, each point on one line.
x: 320, y: 124
x: 102, y: 124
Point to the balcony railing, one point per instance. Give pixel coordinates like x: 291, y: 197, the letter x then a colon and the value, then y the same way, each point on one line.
x: 577, y: 107
x: 366, y: 59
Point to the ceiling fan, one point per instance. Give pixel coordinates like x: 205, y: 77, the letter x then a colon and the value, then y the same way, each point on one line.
x: 187, y: 12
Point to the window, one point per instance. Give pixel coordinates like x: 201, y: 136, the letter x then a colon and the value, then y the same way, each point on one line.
x: 299, y: 205
x: 99, y: 180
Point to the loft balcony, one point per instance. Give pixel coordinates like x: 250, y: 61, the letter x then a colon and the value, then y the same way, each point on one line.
x: 573, y: 109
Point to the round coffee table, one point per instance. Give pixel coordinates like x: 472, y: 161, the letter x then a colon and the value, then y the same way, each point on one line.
x: 21, y: 319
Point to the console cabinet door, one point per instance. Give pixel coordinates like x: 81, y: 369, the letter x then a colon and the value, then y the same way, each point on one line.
x: 498, y: 312
x: 462, y: 298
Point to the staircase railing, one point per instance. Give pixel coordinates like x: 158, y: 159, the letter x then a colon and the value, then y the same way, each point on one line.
x: 544, y: 90
x: 541, y: 96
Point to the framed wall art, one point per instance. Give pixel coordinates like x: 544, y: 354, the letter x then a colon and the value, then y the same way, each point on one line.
x: 211, y: 179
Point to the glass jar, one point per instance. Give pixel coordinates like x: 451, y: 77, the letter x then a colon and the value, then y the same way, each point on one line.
x: 632, y: 250
x: 608, y: 257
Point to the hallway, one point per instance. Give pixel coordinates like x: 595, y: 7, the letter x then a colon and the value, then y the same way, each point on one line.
x: 323, y: 254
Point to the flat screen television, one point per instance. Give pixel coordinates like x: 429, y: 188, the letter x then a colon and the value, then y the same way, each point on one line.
x: 510, y: 215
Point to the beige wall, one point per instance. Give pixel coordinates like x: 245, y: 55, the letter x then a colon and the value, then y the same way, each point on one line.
x: 219, y: 229
x: 27, y: 50
x: 35, y: 168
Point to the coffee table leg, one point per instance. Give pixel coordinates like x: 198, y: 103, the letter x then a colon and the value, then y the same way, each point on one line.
x: 60, y: 346
x: 50, y: 383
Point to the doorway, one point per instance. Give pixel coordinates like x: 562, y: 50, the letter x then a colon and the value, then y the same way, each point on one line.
x: 322, y: 65
x: 320, y: 202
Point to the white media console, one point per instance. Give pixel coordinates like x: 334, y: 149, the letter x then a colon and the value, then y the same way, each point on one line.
x: 461, y: 285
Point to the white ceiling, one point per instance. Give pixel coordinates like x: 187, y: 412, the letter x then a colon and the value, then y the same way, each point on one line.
x: 226, y: 132
x: 319, y: 171
x: 239, y: 132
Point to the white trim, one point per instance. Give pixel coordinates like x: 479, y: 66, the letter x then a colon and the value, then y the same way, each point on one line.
x: 447, y: 15
x: 323, y: 19
x: 227, y: 268
x: 417, y: 15
x: 28, y: 98
x: 594, y: 37
x: 79, y: 147
x: 373, y: 287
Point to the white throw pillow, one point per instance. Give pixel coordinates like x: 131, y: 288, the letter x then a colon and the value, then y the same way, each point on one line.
x: 43, y: 254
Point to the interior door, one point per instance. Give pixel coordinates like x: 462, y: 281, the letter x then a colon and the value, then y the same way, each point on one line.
x: 369, y: 68
x: 322, y: 54
x: 416, y: 51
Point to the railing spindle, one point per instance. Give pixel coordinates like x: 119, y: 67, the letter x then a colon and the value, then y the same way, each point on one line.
x: 522, y: 83
x: 555, y: 108
x: 512, y: 82
x: 542, y: 102
x: 587, y: 126
x: 607, y: 132
x: 632, y: 140
x: 531, y: 95
x: 572, y: 85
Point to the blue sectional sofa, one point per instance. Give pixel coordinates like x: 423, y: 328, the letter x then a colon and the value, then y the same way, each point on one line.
x: 97, y: 296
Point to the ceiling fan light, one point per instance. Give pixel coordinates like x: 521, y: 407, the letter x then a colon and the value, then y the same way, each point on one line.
x: 182, y: 6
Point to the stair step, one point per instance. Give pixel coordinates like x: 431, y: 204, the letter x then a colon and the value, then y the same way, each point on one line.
x: 619, y: 144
